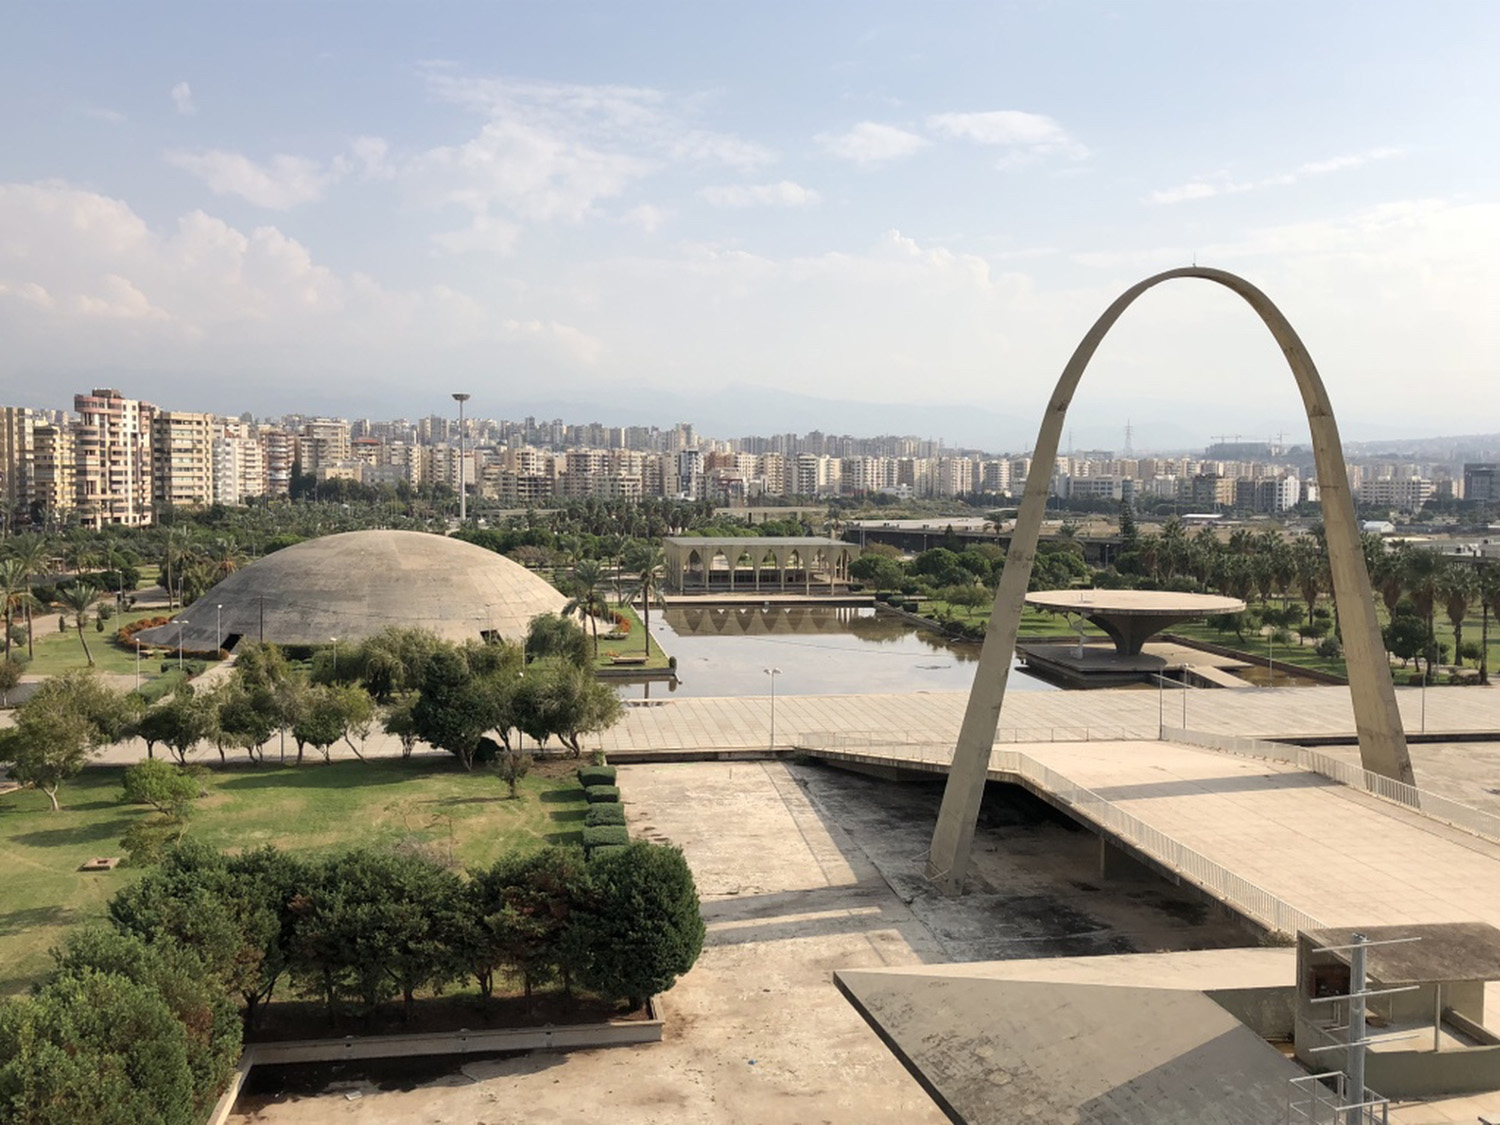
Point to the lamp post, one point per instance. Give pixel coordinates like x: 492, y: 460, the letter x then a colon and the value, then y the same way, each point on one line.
x: 461, y: 397
x: 773, y: 673
x: 335, y: 641
x: 179, y: 643
x: 219, y: 627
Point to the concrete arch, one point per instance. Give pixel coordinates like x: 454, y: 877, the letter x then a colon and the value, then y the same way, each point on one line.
x: 1382, y: 741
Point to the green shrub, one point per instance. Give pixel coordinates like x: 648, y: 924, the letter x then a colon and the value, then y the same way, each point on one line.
x: 604, y: 793
x: 605, y: 850
x: 604, y: 814
x: 596, y: 775
x: 604, y: 835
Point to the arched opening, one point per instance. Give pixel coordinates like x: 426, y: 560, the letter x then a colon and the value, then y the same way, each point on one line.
x: 1382, y: 742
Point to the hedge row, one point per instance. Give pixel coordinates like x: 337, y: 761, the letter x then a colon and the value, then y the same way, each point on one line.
x: 603, y: 813
x: 602, y: 794
x: 596, y: 775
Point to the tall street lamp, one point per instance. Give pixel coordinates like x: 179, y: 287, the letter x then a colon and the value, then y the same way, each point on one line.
x: 463, y: 510
x: 773, y: 673
x: 219, y: 627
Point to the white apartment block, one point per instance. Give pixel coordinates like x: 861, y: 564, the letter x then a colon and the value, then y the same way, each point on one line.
x: 112, y: 458
x: 182, y: 459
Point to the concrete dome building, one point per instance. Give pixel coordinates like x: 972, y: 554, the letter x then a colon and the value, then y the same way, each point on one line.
x: 353, y: 585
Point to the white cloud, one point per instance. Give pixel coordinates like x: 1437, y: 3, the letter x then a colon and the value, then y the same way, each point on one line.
x: 1023, y: 133
x: 872, y: 143
x: 280, y: 185
x: 782, y: 194
x: 86, y: 284
x: 1222, y: 183
x: 182, y: 98
x: 484, y: 233
x: 646, y: 217
x: 102, y: 113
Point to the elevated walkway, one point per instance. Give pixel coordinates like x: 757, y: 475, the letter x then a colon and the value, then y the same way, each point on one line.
x: 1285, y: 846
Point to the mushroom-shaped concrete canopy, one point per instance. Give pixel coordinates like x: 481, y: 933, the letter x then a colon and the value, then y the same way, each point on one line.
x: 1132, y: 617
x: 353, y: 585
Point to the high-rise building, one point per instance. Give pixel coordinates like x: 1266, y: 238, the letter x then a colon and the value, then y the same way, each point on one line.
x: 325, y: 442
x: 1482, y: 481
x: 182, y: 459
x: 112, y: 458
x: 53, y: 480
x: 17, y: 470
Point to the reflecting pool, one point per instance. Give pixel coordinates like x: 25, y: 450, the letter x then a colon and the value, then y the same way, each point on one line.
x: 820, y: 650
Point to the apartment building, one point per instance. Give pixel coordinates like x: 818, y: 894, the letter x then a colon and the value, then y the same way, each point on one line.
x: 112, y: 459
x: 17, y: 424
x: 182, y: 459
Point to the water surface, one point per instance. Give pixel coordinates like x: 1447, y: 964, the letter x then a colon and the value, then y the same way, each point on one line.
x: 820, y: 650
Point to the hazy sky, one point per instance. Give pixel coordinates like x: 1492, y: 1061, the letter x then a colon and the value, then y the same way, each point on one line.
x: 729, y: 212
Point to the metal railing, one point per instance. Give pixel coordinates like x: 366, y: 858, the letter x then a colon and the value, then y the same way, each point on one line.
x: 832, y: 740
x: 1434, y: 805
x: 1311, y: 1099
x: 1214, y: 878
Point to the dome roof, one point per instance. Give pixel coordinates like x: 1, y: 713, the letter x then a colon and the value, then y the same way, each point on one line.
x: 353, y: 585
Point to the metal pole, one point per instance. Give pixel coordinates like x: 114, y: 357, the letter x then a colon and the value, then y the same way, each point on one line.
x: 1356, y: 1060
x: 1161, y: 704
x: 463, y: 509
x: 773, y: 673
x: 219, y: 627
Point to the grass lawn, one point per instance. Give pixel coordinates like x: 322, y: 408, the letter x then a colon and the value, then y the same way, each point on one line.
x: 313, y: 809
x: 61, y: 652
x: 632, y: 644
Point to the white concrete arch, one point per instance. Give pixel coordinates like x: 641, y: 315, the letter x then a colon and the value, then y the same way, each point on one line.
x: 1382, y: 741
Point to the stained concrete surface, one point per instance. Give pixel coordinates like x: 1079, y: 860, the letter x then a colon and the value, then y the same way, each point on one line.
x: 803, y: 870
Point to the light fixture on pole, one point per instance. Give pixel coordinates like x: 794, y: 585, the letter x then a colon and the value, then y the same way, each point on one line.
x: 335, y: 641
x: 461, y: 397
x: 773, y: 673
x: 219, y: 627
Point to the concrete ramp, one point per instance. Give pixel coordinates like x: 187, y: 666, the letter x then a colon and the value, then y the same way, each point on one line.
x: 994, y: 1051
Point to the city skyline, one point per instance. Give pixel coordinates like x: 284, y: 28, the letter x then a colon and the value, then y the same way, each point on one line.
x: 752, y: 214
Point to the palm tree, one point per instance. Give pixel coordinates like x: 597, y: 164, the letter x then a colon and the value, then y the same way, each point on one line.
x: 1457, y: 586
x: 174, y: 545
x: 1489, y: 597
x: 33, y: 555
x: 649, y: 562
x: 1309, y: 565
x: 1389, y: 576
x: 79, y: 598
x: 13, y: 587
x: 588, y: 597
x: 1422, y: 573
x: 226, y: 557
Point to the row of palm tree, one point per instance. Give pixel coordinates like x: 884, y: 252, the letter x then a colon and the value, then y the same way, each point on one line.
x: 645, y: 563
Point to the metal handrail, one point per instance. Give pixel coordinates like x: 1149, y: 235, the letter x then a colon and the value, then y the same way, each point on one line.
x: 1434, y: 805
x: 1217, y: 880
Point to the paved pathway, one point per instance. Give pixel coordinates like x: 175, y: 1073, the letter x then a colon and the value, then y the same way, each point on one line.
x: 1341, y: 856
x: 1030, y: 716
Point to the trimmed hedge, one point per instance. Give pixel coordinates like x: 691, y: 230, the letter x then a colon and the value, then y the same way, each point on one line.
x: 604, y: 813
x: 603, y: 836
x: 596, y: 775
x: 597, y: 794
x: 606, y: 849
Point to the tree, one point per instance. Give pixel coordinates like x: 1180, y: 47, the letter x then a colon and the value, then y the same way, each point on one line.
x: 165, y: 787
x: 1457, y: 588
x: 454, y: 709
x: 879, y: 571
x: 13, y: 588
x: 400, y: 722
x: 1405, y: 637
x: 552, y: 635
x: 374, y: 923
x: 64, y: 723
x: 78, y: 598
x: 33, y: 555
x: 519, y: 914
x: 321, y: 721
x: 648, y: 562
x: 194, y: 996
x: 182, y: 720
x: 588, y: 597
x: 512, y: 764
x: 557, y: 698
x: 10, y: 678
x: 94, y: 1047
x: 645, y: 928
x: 245, y: 717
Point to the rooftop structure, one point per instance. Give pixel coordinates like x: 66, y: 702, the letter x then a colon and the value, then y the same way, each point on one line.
x: 351, y: 586
x: 729, y: 564
x: 1132, y: 617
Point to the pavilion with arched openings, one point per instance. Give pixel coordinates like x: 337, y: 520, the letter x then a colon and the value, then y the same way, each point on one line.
x: 710, y: 564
